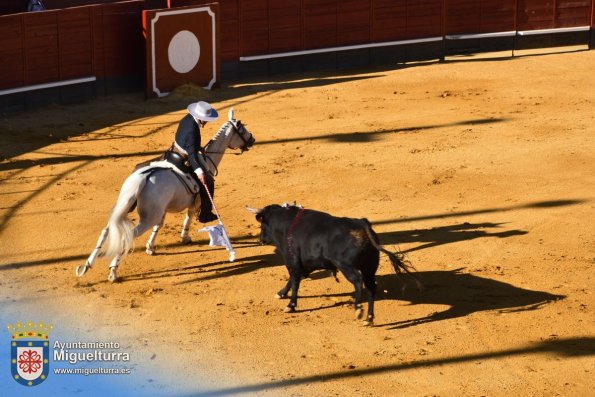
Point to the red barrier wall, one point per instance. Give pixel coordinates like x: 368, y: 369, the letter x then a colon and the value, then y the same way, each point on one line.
x: 480, y: 16
x: 56, y: 45
x: 67, y: 43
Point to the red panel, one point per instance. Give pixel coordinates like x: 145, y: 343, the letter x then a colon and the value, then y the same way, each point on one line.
x: 389, y: 20
x: 353, y: 22
x: 41, y: 47
x: 535, y: 14
x: 123, y: 41
x: 186, y: 3
x: 12, y: 54
x: 497, y: 16
x: 254, y: 27
x: 60, y: 4
x: 572, y: 13
x: 167, y: 65
x: 424, y: 18
x: 229, y: 30
x: 320, y: 23
x: 98, y: 42
x: 285, y: 25
x: 463, y: 16
x: 75, y: 43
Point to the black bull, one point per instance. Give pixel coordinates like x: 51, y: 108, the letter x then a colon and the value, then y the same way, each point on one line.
x: 311, y: 240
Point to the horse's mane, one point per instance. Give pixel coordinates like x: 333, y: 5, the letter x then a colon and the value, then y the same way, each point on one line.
x: 221, y: 130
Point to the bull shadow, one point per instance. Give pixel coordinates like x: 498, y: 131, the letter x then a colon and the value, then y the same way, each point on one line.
x: 447, y: 234
x: 463, y: 293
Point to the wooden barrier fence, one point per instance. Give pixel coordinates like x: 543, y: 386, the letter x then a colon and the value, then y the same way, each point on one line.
x: 100, y: 48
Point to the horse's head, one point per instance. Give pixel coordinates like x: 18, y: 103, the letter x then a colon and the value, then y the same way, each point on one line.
x: 241, y: 138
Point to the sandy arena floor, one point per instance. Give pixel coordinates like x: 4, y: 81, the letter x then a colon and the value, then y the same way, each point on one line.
x: 482, y: 171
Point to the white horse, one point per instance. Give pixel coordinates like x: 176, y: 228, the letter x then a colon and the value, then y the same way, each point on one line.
x: 156, y: 191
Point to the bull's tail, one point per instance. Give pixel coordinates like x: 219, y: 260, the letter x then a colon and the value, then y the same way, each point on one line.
x: 120, y: 239
x: 397, y: 259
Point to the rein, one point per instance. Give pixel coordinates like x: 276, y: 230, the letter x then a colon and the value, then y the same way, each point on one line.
x: 212, y: 162
x: 292, y: 227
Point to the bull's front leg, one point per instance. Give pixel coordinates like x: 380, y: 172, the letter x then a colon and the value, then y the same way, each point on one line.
x: 283, y: 291
x: 294, y: 281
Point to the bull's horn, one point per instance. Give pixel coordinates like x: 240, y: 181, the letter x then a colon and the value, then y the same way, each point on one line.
x: 230, y: 114
x: 253, y: 210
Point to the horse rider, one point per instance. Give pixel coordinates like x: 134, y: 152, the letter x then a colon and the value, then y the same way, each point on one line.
x: 187, y: 148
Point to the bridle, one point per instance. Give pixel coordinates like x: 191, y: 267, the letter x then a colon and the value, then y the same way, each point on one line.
x: 247, y: 143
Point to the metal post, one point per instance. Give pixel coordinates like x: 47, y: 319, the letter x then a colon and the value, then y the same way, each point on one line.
x: 516, y: 25
x: 443, y: 29
x: 592, y: 24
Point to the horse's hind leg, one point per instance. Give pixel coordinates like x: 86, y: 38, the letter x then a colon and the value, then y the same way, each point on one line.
x: 150, y: 246
x: 82, y: 269
x: 113, y: 267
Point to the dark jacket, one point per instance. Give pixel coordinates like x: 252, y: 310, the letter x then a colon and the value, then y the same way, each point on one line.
x: 188, y: 138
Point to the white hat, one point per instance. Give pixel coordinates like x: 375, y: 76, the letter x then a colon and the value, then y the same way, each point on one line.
x: 202, y: 111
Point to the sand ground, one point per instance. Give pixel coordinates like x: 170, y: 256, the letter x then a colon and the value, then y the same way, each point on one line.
x: 481, y: 171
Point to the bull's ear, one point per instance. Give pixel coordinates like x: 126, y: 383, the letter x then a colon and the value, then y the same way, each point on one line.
x: 259, y: 218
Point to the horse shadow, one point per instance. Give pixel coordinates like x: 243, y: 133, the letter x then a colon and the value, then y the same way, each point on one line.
x: 208, y: 271
x: 464, y: 293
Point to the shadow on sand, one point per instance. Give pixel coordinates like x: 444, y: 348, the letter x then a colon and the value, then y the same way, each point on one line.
x: 570, y: 347
x: 464, y: 293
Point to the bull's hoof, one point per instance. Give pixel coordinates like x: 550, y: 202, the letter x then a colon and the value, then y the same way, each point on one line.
x: 359, y: 313
x: 289, y: 309
x: 280, y: 296
x: 369, y: 322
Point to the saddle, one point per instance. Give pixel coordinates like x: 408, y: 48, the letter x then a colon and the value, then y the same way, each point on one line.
x: 178, y: 161
x: 172, y: 156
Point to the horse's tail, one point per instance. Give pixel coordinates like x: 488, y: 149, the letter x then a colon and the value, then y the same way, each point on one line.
x: 397, y: 259
x: 120, y: 238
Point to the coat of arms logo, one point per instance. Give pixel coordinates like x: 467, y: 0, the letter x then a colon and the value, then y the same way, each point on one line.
x: 29, y: 352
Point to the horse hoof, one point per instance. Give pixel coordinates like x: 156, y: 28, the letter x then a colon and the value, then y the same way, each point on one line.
x: 112, y: 277
x: 289, y: 309
x: 359, y: 313
x: 150, y: 251
x: 186, y: 240
x: 81, y: 270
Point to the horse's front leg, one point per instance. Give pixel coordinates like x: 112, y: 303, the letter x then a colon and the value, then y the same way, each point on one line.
x: 186, y: 227
x: 190, y: 214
